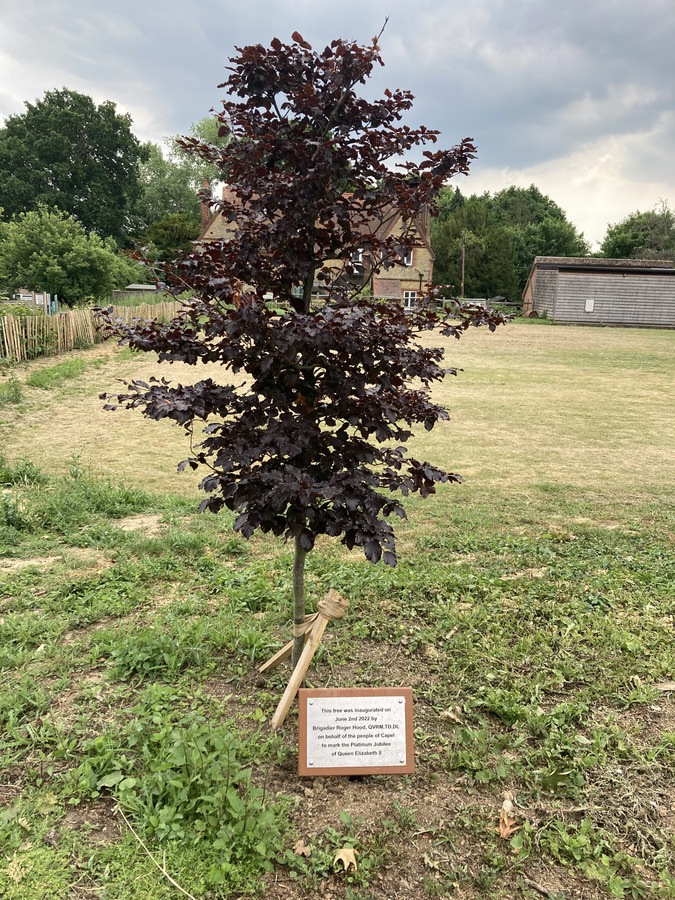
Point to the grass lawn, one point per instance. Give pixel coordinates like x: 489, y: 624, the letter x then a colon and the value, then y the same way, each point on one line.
x: 532, y: 613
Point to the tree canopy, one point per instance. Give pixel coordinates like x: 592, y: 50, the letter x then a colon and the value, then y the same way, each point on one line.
x: 467, y: 225
x: 167, y: 215
x: 501, y: 235
x: 313, y: 441
x: 46, y: 250
x: 642, y: 235
x: 168, y: 187
x: 171, y: 234
x: 67, y: 153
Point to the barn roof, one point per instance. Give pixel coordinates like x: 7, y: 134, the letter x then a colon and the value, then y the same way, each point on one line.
x: 596, y: 262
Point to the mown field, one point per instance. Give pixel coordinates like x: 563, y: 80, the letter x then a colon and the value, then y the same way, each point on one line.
x: 532, y: 613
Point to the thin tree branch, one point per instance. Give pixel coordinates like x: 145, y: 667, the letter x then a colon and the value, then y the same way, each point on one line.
x: 161, y: 868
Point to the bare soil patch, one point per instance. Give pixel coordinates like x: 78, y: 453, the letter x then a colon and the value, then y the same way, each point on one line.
x: 39, y: 562
x: 150, y: 525
x: 98, y: 818
x: 420, y: 863
x: 86, y: 560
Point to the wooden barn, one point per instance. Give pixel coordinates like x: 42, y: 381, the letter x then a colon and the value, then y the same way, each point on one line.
x: 592, y: 291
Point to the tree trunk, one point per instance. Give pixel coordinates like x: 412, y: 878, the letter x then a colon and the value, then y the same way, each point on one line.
x: 298, y: 599
x: 307, y: 286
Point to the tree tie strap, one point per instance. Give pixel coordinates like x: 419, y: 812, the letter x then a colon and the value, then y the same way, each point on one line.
x: 300, y: 628
x: 332, y: 606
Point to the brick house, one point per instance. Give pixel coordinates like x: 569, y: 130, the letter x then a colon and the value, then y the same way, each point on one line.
x: 404, y: 281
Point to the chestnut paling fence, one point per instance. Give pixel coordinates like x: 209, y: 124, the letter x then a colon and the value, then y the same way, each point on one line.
x: 28, y: 337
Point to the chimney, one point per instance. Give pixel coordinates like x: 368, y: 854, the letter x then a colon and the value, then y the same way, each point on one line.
x: 205, y: 197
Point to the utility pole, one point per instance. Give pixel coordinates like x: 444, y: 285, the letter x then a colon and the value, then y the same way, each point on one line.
x: 463, y: 258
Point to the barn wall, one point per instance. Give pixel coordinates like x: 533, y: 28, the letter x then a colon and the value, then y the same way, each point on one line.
x: 545, y: 290
x: 615, y: 299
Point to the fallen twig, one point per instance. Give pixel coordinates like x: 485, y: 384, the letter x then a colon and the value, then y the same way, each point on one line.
x: 537, y: 887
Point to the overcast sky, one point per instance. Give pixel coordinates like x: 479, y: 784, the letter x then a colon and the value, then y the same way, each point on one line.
x: 575, y: 96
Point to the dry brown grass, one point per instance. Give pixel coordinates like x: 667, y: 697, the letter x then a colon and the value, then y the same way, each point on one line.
x: 534, y: 404
x: 559, y: 405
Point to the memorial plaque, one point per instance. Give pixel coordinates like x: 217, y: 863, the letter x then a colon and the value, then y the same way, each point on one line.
x: 361, y: 731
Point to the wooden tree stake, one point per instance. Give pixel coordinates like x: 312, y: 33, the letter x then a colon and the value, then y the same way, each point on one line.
x: 333, y: 606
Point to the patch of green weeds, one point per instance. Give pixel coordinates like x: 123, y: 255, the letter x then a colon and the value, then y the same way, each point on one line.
x: 24, y: 472
x: 63, y: 505
x: 21, y: 700
x: 35, y: 872
x: 90, y: 599
x: 323, y: 863
x: 185, y: 780
x: 52, y: 377
x: 483, y: 754
x: 14, y: 517
x: 11, y: 391
x: 29, y: 868
x: 149, y: 654
x: 13, y: 520
x: 374, y: 845
x: 592, y: 851
x: 124, y: 871
x: 27, y: 632
x: 251, y: 588
x: 176, y: 544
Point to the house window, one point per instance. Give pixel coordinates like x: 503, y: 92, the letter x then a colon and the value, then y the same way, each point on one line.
x: 409, y: 299
x: 590, y: 303
x: 407, y: 258
x: 356, y: 259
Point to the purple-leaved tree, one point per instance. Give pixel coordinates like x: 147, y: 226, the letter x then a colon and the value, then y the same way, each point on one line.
x: 311, y: 440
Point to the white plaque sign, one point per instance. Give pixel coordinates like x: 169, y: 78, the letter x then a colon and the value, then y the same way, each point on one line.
x: 360, y: 731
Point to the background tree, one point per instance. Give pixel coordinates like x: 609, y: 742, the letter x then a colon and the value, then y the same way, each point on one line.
x: 468, y: 226
x: 642, y: 235
x: 168, y: 187
x: 312, y: 443
x: 49, y: 251
x: 538, y: 227
x: 65, y: 152
x: 502, y: 235
x: 173, y: 233
x: 168, y: 211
